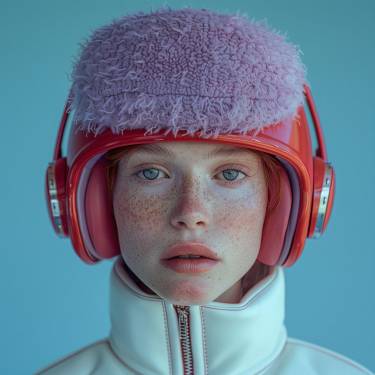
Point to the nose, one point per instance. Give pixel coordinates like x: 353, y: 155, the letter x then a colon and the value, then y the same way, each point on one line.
x: 191, y: 210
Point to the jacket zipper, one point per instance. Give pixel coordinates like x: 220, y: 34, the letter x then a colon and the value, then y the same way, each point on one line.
x: 183, y: 314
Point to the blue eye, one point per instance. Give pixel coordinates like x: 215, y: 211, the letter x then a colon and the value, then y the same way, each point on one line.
x: 231, y: 174
x: 150, y: 175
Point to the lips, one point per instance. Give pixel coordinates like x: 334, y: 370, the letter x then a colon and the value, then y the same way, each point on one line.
x: 203, y: 258
x: 189, y: 248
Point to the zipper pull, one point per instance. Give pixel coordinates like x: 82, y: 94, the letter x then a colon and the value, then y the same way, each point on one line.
x: 184, y: 329
x: 183, y: 313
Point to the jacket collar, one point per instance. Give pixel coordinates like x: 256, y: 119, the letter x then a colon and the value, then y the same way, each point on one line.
x: 245, y: 337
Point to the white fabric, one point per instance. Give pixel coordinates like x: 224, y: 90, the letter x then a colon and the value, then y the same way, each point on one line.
x: 227, y: 339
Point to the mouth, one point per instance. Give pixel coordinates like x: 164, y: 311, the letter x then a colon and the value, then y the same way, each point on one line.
x: 189, y: 265
x: 189, y: 257
x: 189, y: 250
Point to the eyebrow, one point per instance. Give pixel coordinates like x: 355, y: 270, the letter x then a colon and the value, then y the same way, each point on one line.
x: 219, y: 151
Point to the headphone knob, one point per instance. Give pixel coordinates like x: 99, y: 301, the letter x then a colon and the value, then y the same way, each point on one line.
x: 55, y: 191
x: 323, y: 196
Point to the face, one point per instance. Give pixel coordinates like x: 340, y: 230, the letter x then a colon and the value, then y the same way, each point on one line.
x: 173, y: 192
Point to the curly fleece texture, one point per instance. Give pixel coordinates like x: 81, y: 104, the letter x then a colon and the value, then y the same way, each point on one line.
x: 185, y: 70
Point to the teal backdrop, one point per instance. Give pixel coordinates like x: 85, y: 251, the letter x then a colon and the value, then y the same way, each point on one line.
x: 53, y: 304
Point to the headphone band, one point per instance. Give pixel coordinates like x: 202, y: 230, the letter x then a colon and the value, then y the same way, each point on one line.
x: 60, y: 134
x: 321, y: 151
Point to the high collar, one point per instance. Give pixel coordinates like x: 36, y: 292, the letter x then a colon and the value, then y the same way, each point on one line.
x: 239, y: 338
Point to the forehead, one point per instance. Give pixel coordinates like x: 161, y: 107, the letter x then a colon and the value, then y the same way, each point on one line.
x: 202, y: 150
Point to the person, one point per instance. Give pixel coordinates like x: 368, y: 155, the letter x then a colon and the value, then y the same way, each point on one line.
x: 190, y: 160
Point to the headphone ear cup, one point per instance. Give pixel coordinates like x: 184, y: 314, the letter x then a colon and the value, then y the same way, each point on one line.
x: 98, y: 213
x: 323, y: 196
x: 55, y: 192
x: 276, y: 219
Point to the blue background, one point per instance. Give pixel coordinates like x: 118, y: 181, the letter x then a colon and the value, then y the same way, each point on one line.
x: 53, y: 304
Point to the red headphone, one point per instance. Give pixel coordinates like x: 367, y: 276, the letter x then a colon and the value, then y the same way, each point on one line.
x: 80, y: 205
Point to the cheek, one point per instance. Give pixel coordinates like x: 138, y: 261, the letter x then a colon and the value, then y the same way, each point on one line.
x: 243, y: 213
x: 137, y: 212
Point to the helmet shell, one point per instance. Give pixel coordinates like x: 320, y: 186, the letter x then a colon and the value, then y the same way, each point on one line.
x: 91, y: 223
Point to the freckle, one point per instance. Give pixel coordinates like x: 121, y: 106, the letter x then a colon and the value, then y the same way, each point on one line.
x: 142, y: 211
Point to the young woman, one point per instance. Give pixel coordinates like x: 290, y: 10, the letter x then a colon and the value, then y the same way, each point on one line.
x: 190, y: 160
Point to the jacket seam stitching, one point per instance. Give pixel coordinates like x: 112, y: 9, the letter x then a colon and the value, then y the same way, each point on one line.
x: 205, y: 354
x: 253, y: 298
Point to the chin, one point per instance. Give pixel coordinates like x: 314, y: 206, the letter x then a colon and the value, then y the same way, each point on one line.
x: 187, y: 295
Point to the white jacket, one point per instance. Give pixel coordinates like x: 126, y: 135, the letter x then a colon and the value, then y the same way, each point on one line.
x: 217, y: 339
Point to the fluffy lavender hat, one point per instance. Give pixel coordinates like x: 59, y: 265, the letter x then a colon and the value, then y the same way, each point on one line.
x: 185, y: 69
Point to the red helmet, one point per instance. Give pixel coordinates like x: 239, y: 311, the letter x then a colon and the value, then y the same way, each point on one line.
x: 80, y: 205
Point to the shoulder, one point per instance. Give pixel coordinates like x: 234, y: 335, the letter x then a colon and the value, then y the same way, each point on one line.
x: 91, y: 359
x: 305, y: 358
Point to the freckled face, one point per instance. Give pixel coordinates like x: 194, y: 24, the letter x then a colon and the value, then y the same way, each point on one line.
x: 160, y: 200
